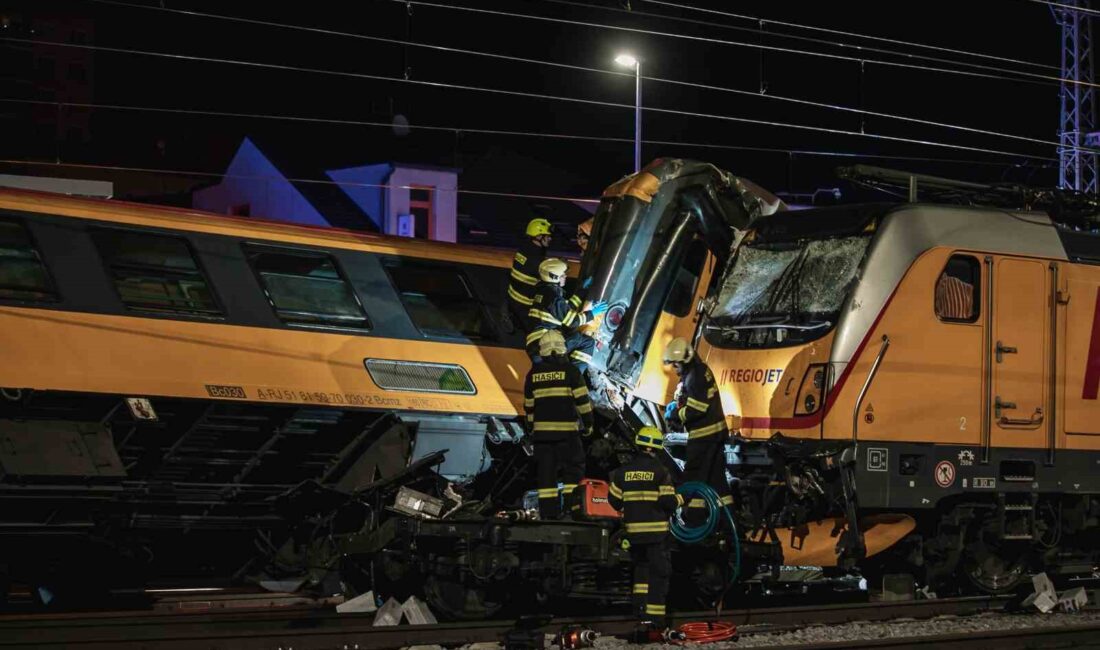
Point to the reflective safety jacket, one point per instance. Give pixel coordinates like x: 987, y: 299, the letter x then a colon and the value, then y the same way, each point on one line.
x: 525, y: 275
x: 551, y: 310
x: 555, y: 398
x: 642, y: 489
x: 701, y: 415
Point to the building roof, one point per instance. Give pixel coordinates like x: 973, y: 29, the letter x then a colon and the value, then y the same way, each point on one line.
x: 304, y: 165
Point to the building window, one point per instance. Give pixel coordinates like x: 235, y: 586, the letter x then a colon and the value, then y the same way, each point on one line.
x: 307, y: 288
x: 439, y: 300
x: 46, y: 67
x: 420, y: 206
x: 958, y: 290
x: 156, y: 273
x: 77, y: 72
x: 23, y: 276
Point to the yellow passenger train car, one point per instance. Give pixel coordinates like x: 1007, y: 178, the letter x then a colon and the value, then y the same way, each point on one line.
x: 166, y: 373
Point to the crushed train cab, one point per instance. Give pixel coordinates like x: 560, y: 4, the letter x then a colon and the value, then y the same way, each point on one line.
x: 932, y: 366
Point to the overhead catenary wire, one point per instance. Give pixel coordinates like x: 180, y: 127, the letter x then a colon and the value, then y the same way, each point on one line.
x: 528, y: 95
x: 320, y: 30
x: 1068, y: 7
x: 1025, y: 77
x: 494, y: 55
x: 758, y: 31
x: 871, y: 37
x: 313, y: 181
x: 503, y: 132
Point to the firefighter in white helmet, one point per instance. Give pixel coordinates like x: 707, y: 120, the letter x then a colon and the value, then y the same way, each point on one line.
x: 552, y: 311
x: 555, y: 399
x: 698, y: 411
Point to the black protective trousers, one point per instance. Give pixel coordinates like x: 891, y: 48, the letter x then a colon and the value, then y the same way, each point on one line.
x: 706, y: 462
x: 652, y: 571
x: 561, y: 460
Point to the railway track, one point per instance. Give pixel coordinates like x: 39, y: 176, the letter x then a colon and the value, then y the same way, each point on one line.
x: 1070, y: 636
x: 310, y: 629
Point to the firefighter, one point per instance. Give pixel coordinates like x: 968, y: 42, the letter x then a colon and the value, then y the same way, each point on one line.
x: 642, y: 489
x: 698, y: 411
x: 555, y: 399
x: 584, y: 233
x: 552, y: 311
x: 525, y: 269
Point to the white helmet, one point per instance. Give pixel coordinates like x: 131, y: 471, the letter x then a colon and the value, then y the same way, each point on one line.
x: 552, y: 270
x: 551, y: 343
x: 678, y: 350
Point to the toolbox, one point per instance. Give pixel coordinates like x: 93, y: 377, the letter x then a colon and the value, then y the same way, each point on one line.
x: 594, y: 503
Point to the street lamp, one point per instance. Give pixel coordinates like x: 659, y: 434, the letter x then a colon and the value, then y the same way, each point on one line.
x: 629, y: 61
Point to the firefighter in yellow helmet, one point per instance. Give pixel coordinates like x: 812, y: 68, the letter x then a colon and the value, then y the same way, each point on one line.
x: 525, y: 269
x: 698, y: 411
x: 552, y: 311
x: 555, y: 399
x: 642, y: 489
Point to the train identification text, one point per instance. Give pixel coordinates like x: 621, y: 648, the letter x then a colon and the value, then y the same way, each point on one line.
x: 233, y: 392
x: 762, y: 376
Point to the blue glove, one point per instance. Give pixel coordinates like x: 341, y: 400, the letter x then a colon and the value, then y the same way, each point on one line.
x: 587, y: 282
x: 670, y: 409
x: 599, y: 308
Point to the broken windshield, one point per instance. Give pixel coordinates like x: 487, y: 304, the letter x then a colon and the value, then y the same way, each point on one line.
x: 797, y: 287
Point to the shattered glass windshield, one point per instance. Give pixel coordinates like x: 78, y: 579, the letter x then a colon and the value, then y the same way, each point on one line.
x: 798, y: 287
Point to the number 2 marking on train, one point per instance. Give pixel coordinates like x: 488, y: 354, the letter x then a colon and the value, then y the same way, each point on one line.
x: 962, y: 424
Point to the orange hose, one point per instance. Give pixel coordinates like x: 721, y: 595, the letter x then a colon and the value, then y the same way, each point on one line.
x: 708, y: 632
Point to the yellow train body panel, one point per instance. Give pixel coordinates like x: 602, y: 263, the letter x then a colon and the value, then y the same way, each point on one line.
x: 1035, y: 387
x: 52, y: 350
x: 49, y: 347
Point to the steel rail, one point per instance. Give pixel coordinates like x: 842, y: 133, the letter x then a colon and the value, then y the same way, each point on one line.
x: 313, y: 630
x: 1069, y: 636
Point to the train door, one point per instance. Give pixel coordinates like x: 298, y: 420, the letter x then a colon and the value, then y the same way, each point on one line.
x: 1018, y: 353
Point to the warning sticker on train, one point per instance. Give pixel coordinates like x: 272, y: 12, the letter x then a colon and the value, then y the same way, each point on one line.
x: 945, y: 474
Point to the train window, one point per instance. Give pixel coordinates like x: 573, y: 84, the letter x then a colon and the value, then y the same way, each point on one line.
x: 958, y: 290
x: 157, y: 273
x: 307, y: 288
x: 439, y: 300
x: 687, y: 277
x: 23, y: 276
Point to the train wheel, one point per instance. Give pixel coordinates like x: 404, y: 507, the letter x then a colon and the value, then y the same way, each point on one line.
x: 460, y: 602
x: 995, y: 569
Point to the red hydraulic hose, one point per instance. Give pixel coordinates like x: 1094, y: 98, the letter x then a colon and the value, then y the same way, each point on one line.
x: 708, y: 632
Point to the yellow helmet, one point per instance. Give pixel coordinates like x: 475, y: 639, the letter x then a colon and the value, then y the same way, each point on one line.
x: 552, y: 270
x: 539, y: 226
x: 678, y: 350
x: 551, y: 342
x: 650, y: 437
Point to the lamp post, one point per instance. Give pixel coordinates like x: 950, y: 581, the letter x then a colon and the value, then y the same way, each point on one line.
x: 629, y: 61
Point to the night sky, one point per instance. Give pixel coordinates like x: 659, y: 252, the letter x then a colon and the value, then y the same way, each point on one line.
x: 1017, y: 29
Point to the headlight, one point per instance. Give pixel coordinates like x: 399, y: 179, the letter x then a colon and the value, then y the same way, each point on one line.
x: 615, y: 316
x: 811, y: 404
